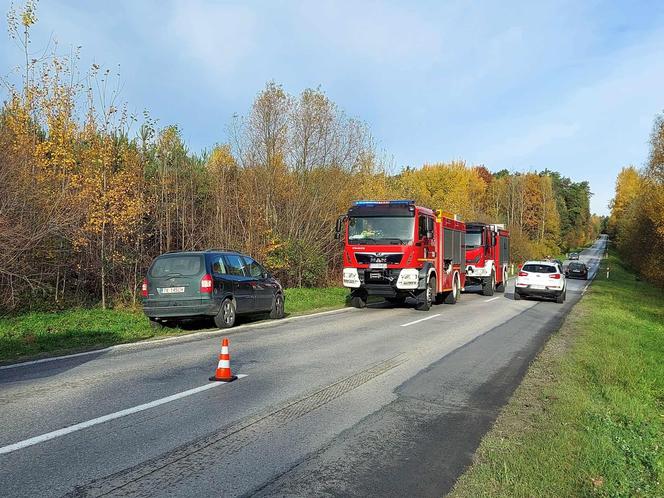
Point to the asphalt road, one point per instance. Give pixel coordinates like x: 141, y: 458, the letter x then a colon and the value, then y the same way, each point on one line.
x: 382, y: 402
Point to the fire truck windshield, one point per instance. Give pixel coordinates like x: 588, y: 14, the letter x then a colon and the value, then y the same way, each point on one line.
x: 381, y: 230
x: 473, y: 239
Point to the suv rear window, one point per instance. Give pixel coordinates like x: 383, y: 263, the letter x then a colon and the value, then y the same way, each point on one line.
x: 540, y: 268
x: 577, y: 266
x: 185, y: 266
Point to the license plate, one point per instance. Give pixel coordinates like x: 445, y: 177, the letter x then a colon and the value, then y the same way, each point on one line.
x: 537, y: 287
x: 377, y: 266
x: 171, y: 290
x: 375, y: 276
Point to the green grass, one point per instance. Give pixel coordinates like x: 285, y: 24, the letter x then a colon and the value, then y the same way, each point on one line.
x: 588, y: 420
x: 303, y: 300
x: 42, y: 333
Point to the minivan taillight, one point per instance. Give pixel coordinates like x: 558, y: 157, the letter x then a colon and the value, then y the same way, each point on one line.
x: 523, y: 273
x: 206, y: 284
x: 555, y: 275
x: 144, y: 288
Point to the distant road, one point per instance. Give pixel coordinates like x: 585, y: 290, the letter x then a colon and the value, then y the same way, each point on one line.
x: 382, y: 401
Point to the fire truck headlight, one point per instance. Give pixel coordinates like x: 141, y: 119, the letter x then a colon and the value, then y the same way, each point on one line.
x: 351, y: 278
x: 408, y: 278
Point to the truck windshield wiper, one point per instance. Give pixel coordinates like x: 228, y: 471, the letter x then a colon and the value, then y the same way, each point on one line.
x: 393, y: 239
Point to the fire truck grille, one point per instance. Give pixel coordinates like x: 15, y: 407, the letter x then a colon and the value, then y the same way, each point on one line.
x: 365, y: 258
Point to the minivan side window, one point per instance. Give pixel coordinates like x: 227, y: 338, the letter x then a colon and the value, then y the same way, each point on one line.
x: 255, y: 270
x: 234, y: 265
x: 218, y: 265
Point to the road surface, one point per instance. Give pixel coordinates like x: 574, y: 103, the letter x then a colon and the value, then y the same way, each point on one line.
x: 382, y: 401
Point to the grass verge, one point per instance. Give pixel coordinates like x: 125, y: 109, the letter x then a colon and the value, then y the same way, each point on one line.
x: 588, y: 419
x: 40, y: 333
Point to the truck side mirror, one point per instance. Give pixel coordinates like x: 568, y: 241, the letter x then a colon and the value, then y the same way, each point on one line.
x: 337, y: 230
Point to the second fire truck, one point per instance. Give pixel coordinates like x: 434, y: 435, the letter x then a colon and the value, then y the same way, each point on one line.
x: 487, y: 256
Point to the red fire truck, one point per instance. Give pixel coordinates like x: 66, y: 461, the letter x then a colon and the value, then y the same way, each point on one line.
x: 396, y: 250
x: 487, y: 256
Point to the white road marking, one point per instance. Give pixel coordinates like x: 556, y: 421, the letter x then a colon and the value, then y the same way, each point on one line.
x: 112, y: 416
x: 492, y: 299
x: 420, y: 320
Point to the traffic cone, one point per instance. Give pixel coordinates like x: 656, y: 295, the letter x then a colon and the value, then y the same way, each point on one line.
x: 223, y: 372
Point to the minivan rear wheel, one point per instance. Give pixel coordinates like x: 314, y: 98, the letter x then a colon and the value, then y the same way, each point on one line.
x: 225, y: 319
x: 155, y: 324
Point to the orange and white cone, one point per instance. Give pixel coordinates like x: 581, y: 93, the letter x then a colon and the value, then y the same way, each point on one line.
x: 223, y: 372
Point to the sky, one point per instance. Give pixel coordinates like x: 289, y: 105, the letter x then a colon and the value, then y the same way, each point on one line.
x: 572, y: 86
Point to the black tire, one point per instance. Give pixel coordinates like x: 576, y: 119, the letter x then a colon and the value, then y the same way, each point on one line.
x: 489, y: 285
x: 517, y: 296
x: 277, y: 311
x: 155, y: 324
x: 396, y: 301
x: 358, y: 300
x: 225, y: 319
x: 425, y: 298
x: 452, y: 296
x: 561, y: 298
x: 501, y: 286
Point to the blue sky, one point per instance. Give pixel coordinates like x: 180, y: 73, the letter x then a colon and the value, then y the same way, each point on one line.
x: 570, y: 86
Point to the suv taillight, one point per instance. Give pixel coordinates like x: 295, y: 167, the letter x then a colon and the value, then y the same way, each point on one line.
x: 555, y: 275
x: 206, y: 284
x: 144, y: 288
x: 523, y: 273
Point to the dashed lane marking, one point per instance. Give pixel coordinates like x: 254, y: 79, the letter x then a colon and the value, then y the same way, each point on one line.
x: 111, y: 416
x: 420, y: 320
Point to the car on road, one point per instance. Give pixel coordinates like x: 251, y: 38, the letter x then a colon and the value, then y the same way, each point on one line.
x: 573, y: 256
x: 216, y: 284
x: 576, y: 269
x: 541, y: 279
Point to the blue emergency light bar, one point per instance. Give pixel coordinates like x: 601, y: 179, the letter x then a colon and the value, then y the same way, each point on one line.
x: 384, y: 203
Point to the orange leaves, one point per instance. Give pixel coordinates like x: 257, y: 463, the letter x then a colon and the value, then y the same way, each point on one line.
x: 449, y: 186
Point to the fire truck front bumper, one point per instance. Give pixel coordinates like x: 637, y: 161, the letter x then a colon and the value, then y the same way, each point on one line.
x: 478, y: 271
x: 385, y: 282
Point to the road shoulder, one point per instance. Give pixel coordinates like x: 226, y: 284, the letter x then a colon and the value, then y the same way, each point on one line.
x: 586, y: 420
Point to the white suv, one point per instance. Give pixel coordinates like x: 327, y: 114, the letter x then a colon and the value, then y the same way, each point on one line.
x: 541, y: 278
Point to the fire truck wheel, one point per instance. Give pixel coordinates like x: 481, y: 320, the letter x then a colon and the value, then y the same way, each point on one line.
x: 452, y: 296
x: 501, y: 286
x: 425, y: 298
x: 358, y: 300
x: 489, y: 285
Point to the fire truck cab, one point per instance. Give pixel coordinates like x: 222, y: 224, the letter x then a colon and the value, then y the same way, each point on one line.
x: 396, y: 250
x: 487, y: 256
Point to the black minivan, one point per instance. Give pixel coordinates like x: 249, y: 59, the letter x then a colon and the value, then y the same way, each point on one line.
x: 218, y: 284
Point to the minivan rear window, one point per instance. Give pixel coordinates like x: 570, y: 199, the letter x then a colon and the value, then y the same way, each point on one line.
x: 185, y: 266
x: 540, y: 268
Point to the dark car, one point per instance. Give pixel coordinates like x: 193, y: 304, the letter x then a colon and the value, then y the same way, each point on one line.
x: 577, y: 270
x: 217, y: 284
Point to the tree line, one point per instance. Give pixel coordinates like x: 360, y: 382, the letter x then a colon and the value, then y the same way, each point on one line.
x: 88, y: 196
x: 636, y: 223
